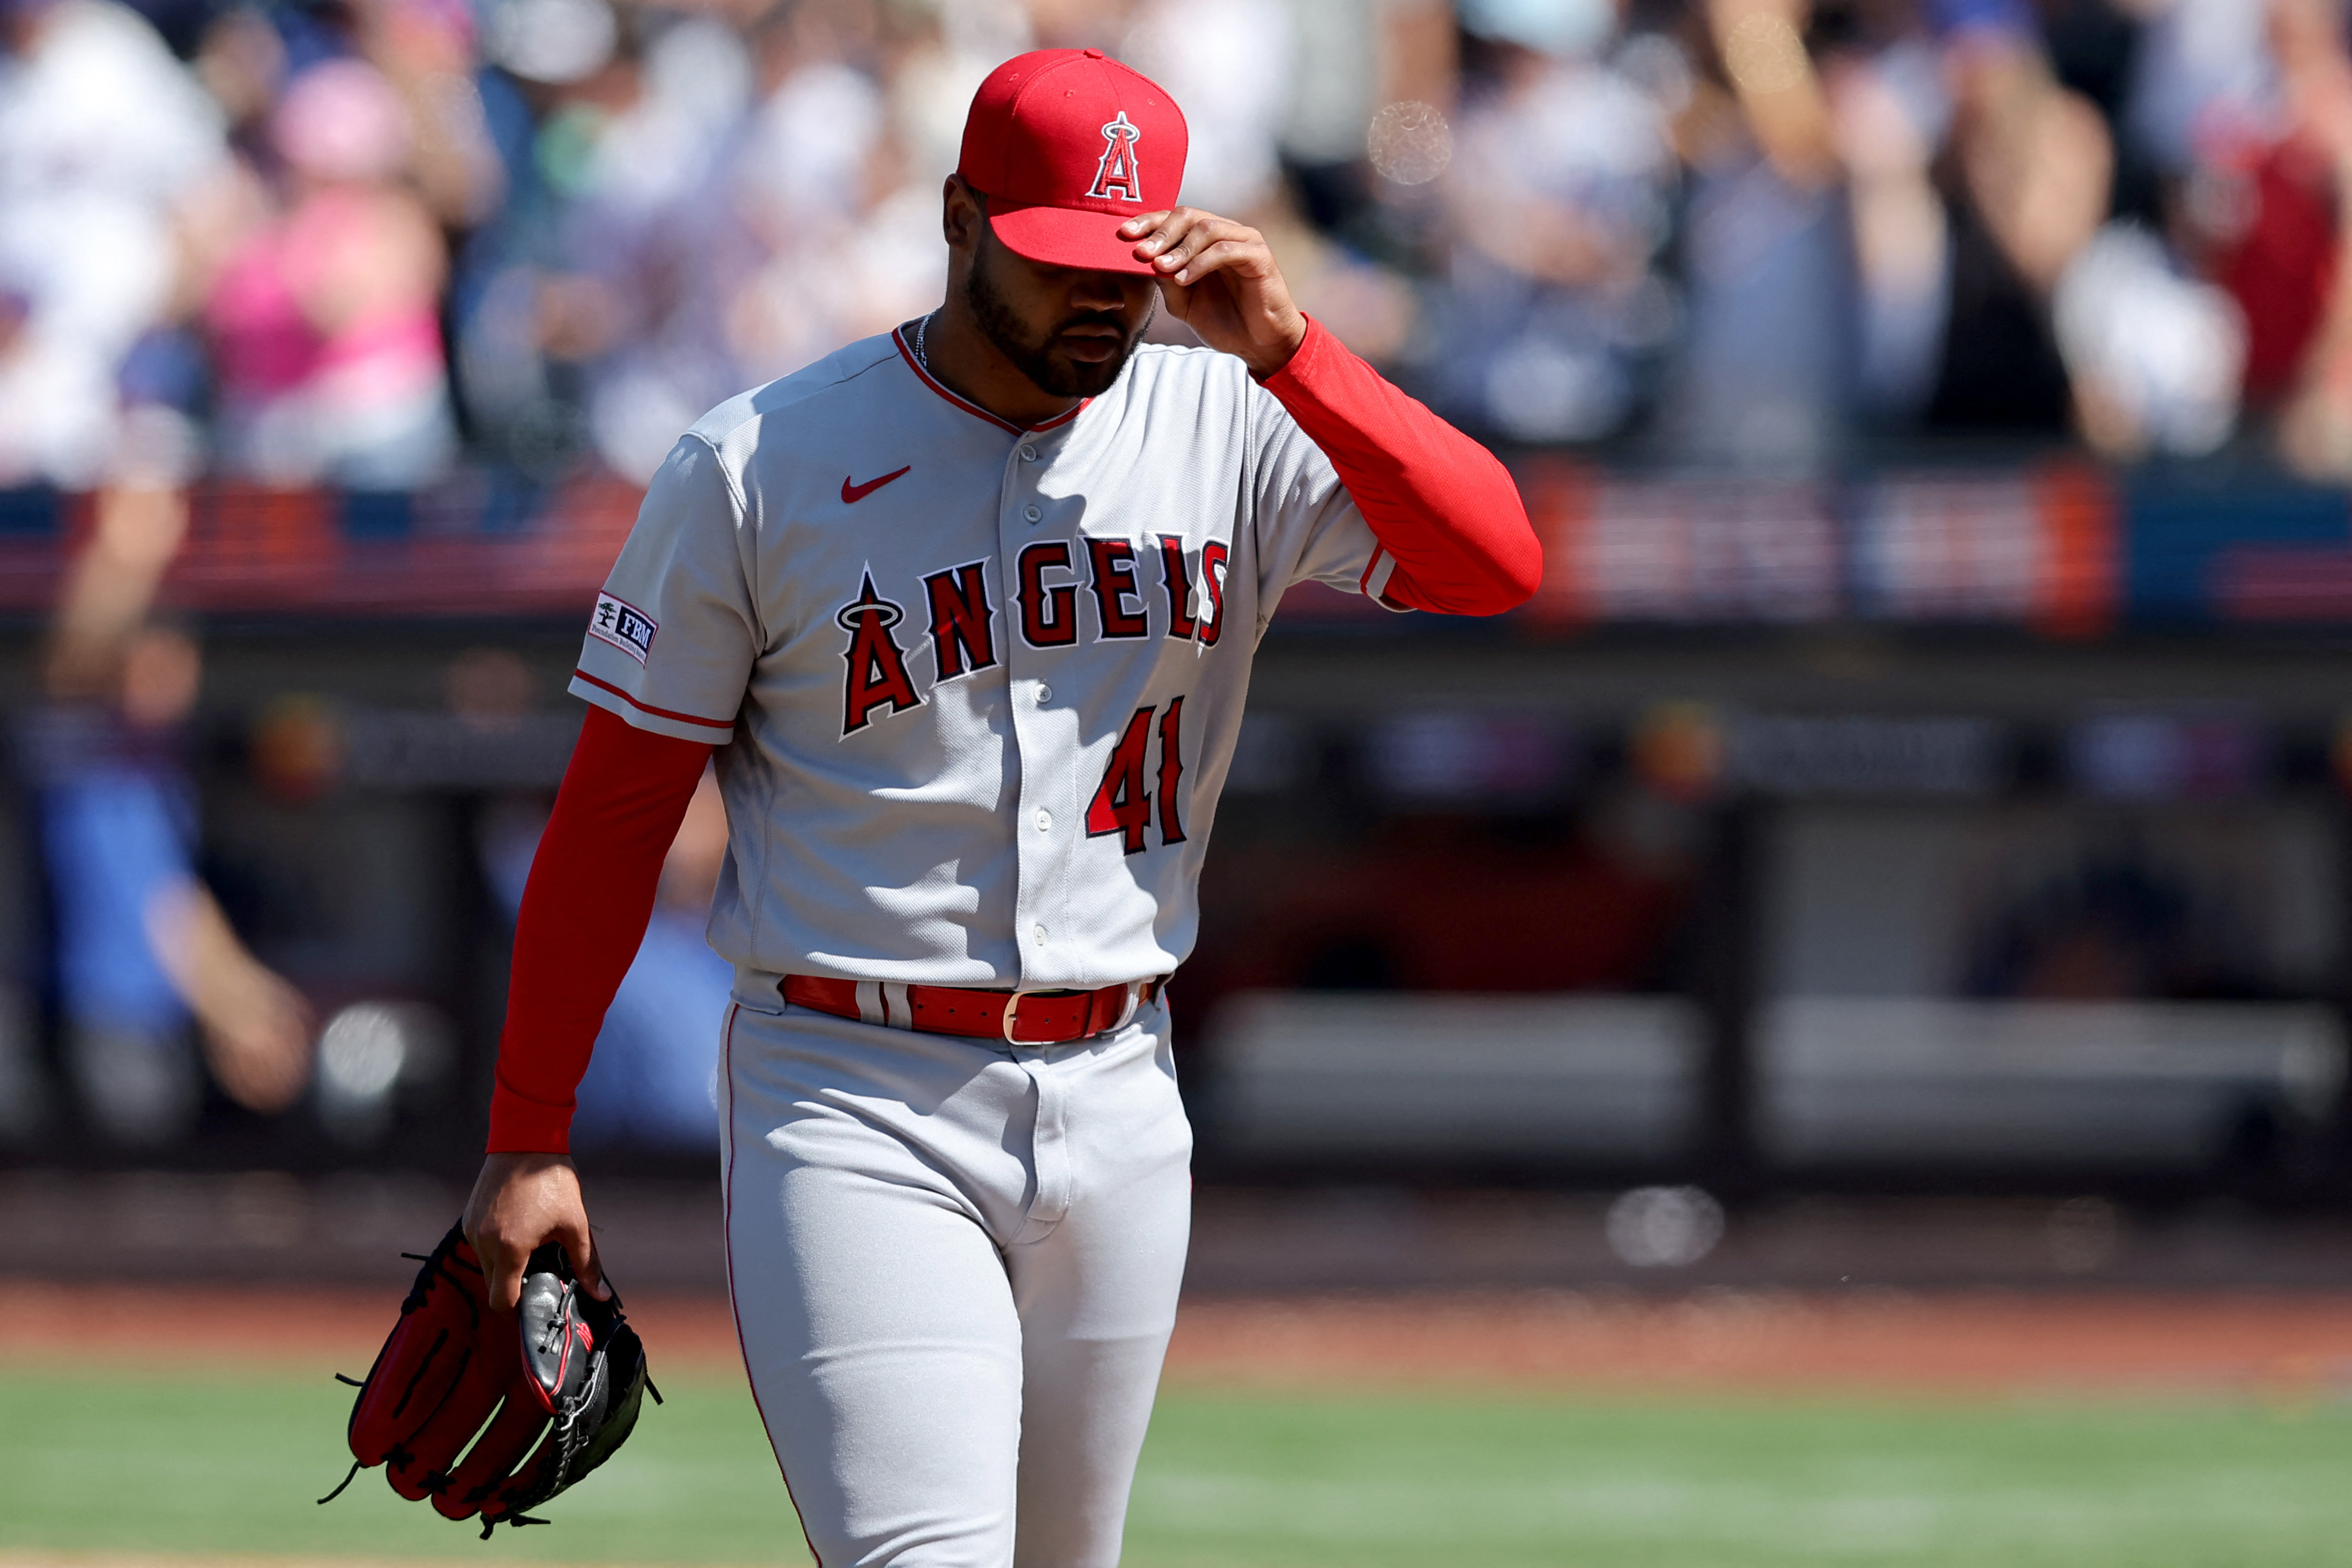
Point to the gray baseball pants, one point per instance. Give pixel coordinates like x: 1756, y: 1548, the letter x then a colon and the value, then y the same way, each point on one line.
x: 954, y: 1265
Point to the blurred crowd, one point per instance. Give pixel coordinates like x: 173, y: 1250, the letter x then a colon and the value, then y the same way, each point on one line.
x: 360, y: 242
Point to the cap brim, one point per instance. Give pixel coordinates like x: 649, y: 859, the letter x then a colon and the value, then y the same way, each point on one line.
x: 1067, y: 237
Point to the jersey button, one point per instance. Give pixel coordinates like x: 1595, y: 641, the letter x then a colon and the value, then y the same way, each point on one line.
x: 1037, y: 933
x: 1032, y: 513
x: 1045, y: 821
x: 1028, y: 454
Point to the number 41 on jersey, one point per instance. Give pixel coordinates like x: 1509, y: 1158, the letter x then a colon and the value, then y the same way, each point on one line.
x: 1122, y: 804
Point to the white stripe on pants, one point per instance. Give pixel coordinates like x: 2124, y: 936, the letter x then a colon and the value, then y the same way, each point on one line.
x: 954, y: 1265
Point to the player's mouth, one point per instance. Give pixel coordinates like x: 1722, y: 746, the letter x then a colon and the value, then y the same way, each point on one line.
x: 1093, y: 343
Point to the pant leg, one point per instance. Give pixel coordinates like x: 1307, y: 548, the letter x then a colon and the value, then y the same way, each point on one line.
x: 955, y: 1269
x: 878, y: 1323
x: 1096, y: 1286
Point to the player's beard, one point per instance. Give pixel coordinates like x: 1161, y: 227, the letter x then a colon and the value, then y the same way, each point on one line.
x: 1034, y: 357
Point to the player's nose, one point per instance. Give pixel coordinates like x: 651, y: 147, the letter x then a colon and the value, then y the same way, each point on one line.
x: 1102, y: 291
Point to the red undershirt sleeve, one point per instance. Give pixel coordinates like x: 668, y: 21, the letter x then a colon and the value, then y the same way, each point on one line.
x: 1441, y: 505
x: 584, y: 915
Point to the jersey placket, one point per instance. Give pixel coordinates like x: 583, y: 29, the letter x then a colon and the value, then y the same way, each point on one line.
x: 1043, y: 686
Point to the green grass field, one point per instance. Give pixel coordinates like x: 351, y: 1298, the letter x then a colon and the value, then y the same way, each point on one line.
x: 216, y: 1465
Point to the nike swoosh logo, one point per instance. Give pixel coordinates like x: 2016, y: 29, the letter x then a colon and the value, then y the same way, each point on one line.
x: 852, y: 494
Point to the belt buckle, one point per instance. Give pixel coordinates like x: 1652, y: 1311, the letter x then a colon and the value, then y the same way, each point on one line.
x: 1012, y: 1009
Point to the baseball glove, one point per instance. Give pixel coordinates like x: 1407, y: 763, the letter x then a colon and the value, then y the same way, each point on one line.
x: 557, y: 1401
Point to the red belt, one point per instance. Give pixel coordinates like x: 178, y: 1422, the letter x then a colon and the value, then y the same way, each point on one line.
x: 1019, y: 1018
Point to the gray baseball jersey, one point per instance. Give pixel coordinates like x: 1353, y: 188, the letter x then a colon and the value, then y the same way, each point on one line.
x: 975, y: 686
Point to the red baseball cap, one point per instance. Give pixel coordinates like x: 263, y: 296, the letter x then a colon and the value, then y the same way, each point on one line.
x: 1067, y: 144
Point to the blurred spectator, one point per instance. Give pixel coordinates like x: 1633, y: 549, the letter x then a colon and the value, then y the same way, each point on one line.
x: 2202, y: 70
x: 104, y: 139
x: 818, y: 163
x: 943, y: 50
x: 1075, y: 24
x: 654, y: 247
x: 324, y: 317
x: 1557, y: 205
x: 2119, y: 924
x: 1749, y: 232
x: 652, y: 1081
x: 2025, y: 179
x: 1234, y: 65
x: 1890, y: 111
x: 425, y: 50
x: 142, y: 949
x: 2266, y: 203
x: 2156, y: 354
x: 1330, y: 97
x: 1555, y: 902
x: 1349, y: 61
x: 555, y: 78
x: 1764, y: 370
x: 1230, y: 63
x: 2098, y: 49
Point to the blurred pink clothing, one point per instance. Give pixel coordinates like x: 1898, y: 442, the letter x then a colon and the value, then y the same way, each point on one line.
x: 263, y: 346
x: 267, y: 344
x: 326, y: 332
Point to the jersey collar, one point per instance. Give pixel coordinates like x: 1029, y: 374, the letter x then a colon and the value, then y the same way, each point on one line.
x: 907, y: 352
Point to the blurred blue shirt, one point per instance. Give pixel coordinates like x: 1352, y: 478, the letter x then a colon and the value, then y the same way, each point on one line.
x: 118, y: 829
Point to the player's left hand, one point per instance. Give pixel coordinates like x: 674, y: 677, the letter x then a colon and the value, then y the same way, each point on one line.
x: 520, y: 1203
x: 1219, y: 278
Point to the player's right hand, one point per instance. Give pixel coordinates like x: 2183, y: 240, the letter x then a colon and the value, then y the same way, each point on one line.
x: 520, y: 1203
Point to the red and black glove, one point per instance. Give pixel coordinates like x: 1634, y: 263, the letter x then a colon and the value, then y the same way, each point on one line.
x: 558, y: 1383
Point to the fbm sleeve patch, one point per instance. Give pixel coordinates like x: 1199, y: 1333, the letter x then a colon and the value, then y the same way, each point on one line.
x: 623, y: 625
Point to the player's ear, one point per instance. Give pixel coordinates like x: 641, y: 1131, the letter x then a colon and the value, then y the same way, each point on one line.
x: 960, y: 215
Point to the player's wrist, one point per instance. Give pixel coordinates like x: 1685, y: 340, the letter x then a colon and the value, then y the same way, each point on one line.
x: 1270, y: 360
x: 505, y: 1173
x: 1285, y: 354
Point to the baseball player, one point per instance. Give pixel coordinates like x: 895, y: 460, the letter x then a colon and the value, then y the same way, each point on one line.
x: 967, y: 613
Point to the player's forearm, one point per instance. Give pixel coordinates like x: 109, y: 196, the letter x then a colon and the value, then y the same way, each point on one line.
x: 1437, y: 501
x: 584, y: 915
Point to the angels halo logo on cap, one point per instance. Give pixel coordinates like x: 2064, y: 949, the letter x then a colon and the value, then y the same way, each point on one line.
x: 1066, y: 146
x: 1118, y: 174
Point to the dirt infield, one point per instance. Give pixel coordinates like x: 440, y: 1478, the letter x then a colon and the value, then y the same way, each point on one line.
x: 2287, y: 1347
x: 174, y: 1560
x: 2294, y: 1348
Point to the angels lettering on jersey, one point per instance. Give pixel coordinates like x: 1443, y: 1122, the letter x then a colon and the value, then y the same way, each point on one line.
x: 1178, y: 595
